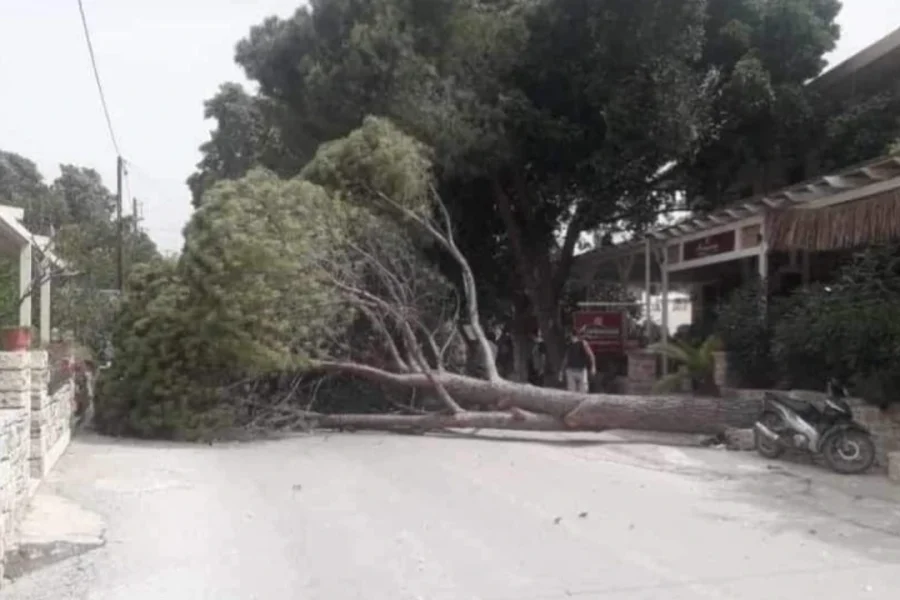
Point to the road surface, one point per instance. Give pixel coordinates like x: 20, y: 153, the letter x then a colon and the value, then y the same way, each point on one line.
x: 394, y: 517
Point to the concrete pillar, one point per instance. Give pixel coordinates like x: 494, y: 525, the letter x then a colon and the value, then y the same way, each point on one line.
x: 648, y: 268
x: 664, y: 266
x: 641, y: 372
x: 25, y: 283
x: 763, y: 263
x: 45, y: 308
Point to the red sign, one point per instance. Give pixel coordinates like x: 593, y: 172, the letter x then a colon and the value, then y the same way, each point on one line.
x: 719, y: 243
x: 604, y: 330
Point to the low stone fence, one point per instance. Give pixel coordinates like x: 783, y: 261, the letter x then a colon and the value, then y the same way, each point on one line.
x: 884, y: 425
x: 51, y: 416
x: 35, y: 428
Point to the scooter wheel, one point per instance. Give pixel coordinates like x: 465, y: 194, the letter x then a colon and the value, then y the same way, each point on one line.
x: 764, y: 445
x: 849, y: 452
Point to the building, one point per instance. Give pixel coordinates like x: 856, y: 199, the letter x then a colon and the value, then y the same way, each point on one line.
x: 792, y: 230
x: 37, y: 266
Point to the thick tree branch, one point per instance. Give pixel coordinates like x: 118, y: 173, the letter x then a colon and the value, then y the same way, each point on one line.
x: 464, y: 420
x: 470, y: 289
x: 378, y: 323
x: 514, y: 231
x: 567, y: 252
x: 371, y: 373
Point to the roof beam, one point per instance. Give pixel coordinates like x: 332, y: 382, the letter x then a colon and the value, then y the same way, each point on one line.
x: 873, y: 174
x: 854, y: 194
x: 838, y: 181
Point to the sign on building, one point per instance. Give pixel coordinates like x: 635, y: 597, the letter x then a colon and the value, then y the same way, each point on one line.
x: 604, y: 330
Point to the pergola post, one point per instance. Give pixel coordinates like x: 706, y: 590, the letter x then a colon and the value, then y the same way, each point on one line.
x: 25, y: 285
x: 763, y: 262
x: 663, y: 262
x: 45, y: 303
x: 664, y: 304
x: 648, y: 267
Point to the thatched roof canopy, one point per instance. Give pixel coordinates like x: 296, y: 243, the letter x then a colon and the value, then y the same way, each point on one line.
x: 870, y: 220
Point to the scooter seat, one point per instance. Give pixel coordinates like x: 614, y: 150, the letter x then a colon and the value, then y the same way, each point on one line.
x: 792, y: 403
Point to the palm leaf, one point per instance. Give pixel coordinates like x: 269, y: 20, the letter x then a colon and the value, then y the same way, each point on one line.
x: 672, y: 382
x: 711, y: 345
x: 677, y: 351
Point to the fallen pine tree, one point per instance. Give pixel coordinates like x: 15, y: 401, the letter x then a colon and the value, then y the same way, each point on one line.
x: 523, y: 406
x: 329, y: 274
x: 380, y: 273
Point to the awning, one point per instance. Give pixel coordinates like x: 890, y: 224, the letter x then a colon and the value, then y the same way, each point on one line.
x: 868, y: 219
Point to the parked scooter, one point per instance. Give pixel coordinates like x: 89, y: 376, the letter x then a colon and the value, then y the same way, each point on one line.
x: 827, y: 430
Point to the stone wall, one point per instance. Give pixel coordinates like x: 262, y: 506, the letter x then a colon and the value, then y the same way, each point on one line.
x: 642, y: 372
x: 35, y: 428
x: 884, y: 425
x: 51, y: 416
x: 15, y: 423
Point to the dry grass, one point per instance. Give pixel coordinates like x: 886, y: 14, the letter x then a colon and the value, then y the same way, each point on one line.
x: 873, y: 220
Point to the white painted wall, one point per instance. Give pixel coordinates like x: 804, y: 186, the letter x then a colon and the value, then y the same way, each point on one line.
x: 679, y: 310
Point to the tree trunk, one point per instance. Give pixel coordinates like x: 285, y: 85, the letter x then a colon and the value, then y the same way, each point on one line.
x: 554, y: 344
x: 576, y: 411
x: 669, y: 413
x: 521, y: 344
x: 514, y: 420
x: 541, y: 279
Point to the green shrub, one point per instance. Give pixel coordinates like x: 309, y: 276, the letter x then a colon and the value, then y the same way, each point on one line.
x: 159, y: 382
x: 745, y: 329
x: 694, y: 364
x: 849, y: 329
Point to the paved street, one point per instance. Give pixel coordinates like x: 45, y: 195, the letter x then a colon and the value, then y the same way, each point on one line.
x: 400, y: 517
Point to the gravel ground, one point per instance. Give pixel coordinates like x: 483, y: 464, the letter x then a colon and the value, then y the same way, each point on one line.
x: 454, y: 517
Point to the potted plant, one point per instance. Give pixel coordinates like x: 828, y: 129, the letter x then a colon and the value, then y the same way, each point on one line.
x: 695, y: 366
x: 16, y: 338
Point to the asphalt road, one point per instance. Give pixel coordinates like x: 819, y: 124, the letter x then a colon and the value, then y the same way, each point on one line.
x: 396, y: 517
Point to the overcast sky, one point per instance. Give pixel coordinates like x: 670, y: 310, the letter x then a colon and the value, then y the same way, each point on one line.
x: 159, y: 60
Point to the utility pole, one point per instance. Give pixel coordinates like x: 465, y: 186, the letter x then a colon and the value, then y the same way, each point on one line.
x: 120, y: 257
x: 135, y: 215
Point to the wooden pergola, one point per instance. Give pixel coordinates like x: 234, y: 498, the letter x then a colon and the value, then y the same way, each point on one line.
x: 854, y: 207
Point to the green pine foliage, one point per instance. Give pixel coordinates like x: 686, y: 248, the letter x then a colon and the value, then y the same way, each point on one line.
x: 848, y: 329
x: 275, y: 275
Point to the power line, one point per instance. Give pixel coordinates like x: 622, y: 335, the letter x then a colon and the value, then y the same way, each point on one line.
x: 87, y: 37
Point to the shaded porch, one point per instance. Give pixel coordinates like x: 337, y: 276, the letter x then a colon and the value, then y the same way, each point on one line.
x: 31, y: 258
x: 788, y: 239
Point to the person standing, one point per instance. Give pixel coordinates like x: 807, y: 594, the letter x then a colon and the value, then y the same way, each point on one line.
x: 578, y: 364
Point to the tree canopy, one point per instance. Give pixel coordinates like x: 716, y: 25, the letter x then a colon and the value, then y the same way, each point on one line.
x: 326, y: 268
x: 388, y: 140
x: 547, y: 119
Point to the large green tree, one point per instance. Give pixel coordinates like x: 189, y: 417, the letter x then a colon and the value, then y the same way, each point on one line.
x: 547, y: 119
x: 757, y: 58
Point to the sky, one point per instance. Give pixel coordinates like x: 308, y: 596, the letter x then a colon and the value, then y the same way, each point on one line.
x: 158, y: 61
